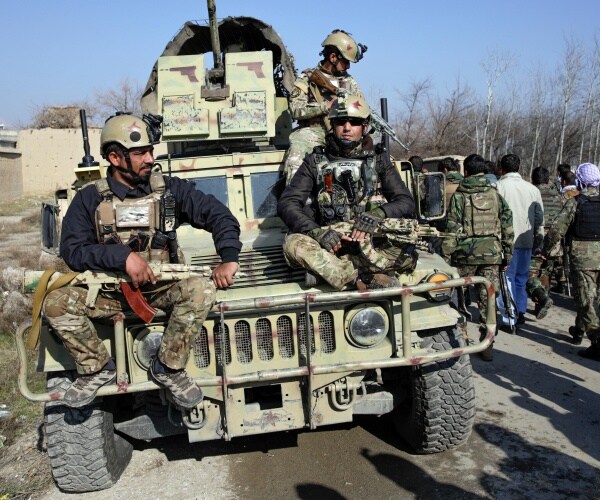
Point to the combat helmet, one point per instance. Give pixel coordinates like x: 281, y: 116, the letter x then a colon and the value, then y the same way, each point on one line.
x: 345, y: 44
x: 350, y: 106
x: 130, y: 131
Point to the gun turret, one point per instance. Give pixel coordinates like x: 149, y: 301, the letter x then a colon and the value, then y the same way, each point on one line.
x: 88, y: 159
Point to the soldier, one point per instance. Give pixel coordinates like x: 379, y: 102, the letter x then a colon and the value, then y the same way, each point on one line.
x: 310, y: 102
x: 579, y: 219
x: 540, y: 269
x: 482, y: 222
x: 112, y: 245
x: 353, y: 194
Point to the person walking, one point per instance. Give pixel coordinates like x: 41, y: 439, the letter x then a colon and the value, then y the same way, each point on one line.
x: 525, y: 202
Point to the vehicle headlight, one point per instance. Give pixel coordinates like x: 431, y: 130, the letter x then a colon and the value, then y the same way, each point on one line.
x: 440, y: 294
x: 366, y: 325
x: 146, y: 345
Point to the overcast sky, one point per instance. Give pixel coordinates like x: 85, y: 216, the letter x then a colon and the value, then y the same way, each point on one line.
x: 63, y: 51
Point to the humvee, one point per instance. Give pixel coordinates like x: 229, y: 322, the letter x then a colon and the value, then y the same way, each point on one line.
x: 275, y: 353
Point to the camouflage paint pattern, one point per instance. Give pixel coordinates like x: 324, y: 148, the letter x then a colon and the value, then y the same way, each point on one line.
x: 188, y: 301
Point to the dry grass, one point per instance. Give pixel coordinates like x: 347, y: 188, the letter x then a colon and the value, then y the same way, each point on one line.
x: 24, y: 468
x: 24, y: 205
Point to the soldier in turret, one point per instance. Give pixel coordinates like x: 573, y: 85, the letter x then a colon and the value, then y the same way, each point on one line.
x: 482, y: 222
x: 340, y: 197
x: 97, y: 236
x: 579, y: 220
x: 310, y: 102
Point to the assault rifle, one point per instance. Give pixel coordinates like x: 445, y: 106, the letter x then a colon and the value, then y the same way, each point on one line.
x: 377, y: 122
x: 96, y: 282
x: 566, y: 264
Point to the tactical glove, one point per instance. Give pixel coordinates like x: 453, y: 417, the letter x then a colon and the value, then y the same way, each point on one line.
x: 367, y: 222
x: 327, y: 238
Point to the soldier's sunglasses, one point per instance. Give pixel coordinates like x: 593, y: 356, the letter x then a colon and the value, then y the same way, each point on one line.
x: 353, y: 121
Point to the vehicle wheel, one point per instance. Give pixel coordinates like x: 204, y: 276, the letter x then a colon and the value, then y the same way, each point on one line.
x: 85, y: 453
x: 439, y: 410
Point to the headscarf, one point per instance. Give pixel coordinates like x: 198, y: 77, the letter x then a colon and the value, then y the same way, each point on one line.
x: 587, y: 174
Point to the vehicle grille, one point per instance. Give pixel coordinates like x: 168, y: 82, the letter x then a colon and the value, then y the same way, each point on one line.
x: 256, y: 339
x: 265, y: 266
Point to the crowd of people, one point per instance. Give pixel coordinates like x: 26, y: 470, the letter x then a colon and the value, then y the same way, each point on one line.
x: 551, y: 223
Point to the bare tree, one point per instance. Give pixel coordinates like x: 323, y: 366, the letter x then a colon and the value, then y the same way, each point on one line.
x: 568, y: 82
x: 495, y: 66
x: 449, y: 129
x: 412, y: 123
x: 593, y: 75
x: 126, y: 97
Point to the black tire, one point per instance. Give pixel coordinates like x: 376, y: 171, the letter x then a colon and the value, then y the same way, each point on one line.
x: 84, y: 452
x: 439, y: 409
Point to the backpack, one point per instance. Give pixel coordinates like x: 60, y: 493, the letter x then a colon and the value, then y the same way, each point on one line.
x: 587, y: 218
x: 480, y: 217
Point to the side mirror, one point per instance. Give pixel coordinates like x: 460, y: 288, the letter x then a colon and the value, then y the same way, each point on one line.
x: 430, y: 189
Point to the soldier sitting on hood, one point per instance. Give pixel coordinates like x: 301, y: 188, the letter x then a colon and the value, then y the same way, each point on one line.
x: 342, y: 195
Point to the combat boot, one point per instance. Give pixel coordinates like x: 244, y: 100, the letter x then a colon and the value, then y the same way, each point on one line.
x: 576, y: 334
x: 543, y: 303
x: 376, y: 281
x: 183, y: 390
x: 592, y: 352
x: 83, y: 391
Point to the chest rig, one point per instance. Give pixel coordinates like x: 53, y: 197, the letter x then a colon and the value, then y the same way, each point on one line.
x: 146, y: 225
x: 347, y: 188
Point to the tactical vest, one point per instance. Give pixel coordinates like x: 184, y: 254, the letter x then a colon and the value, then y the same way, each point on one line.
x: 133, y: 221
x: 587, y: 218
x: 481, y: 214
x: 347, y: 188
x: 552, y: 203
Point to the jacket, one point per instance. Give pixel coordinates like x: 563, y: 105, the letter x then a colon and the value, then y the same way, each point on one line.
x: 301, y: 216
x: 525, y: 202
x: 81, y: 251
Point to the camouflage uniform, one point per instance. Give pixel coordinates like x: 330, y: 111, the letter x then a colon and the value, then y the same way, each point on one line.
x: 388, y: 252
x: 379, y: 191
x: 188, y: 301
x: 482, y: 222
x: 541, y: 271
x: 308, y: 105
x: 585, y: 264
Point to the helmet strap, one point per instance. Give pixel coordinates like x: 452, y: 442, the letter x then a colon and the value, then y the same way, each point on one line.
x: 128, y: 172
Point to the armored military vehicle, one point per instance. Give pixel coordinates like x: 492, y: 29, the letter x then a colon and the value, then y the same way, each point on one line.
x: 276, y: 353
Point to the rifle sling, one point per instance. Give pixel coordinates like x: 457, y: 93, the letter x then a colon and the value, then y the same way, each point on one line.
x: 43, y: 289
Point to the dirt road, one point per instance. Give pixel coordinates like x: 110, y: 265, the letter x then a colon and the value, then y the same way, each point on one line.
x: 537, y: 434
